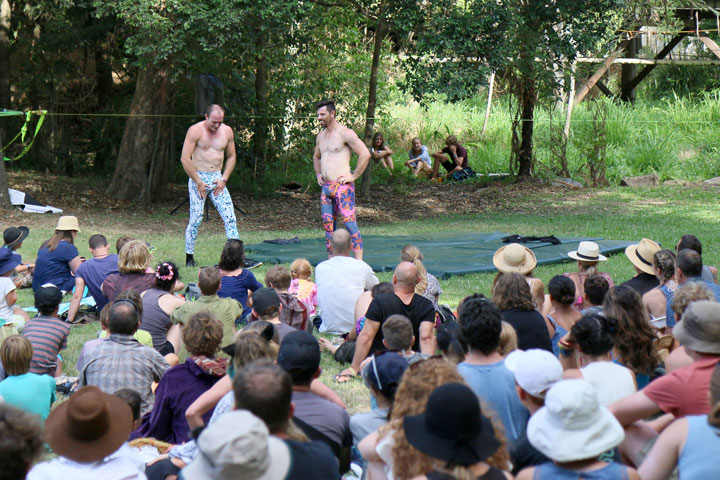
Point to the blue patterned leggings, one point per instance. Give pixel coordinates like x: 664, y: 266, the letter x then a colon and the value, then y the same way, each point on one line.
x: 223, y: 204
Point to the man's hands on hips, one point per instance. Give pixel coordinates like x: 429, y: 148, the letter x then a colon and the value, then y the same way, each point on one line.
x: 319, y: 178
x: 220, y: 184
x: 343, y: 179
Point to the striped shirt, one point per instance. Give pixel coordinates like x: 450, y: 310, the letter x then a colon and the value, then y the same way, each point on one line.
x: 122, y: 362
x: 48, y: 335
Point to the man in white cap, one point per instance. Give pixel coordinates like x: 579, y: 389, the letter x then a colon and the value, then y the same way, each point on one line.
x: 535, y: 372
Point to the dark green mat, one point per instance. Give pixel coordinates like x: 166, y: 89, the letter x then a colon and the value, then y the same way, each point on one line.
x: 446, y: 253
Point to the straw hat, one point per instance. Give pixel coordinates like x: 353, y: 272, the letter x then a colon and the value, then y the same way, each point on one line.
x: 573, y: 425
x: 514, y: 258
x: 700, y: 327
x: 68, y: 222
x: 89, y: 426
x: 641, y: 254
x: 587, y: 252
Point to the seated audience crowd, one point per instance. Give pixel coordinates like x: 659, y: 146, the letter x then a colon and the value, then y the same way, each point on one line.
x: 592, y: 381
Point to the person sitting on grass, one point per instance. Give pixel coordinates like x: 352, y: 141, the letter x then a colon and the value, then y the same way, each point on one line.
x: 382, y: 153
x: 47, y: 333
x: 21, y: 441
x: 573, y: 430
x: 641, y: 255
x: 517, y: 258
x: 92, y: 273
x: 562, y: 315
x: 302, y: 285
x: 13, y: 238
x: 121, y: 361
x: 9, y: 313
x: 58, y: 258
x: 453, y: 157
x: 238, y: 282
x: 709, y: 273
x: 158, y: 304
x: 428, y: 285
x: 451, y: 343
x: 184, y: 383
x: 267, y: 306
x: 134, y: 401
x: 419, y: 161
x: 133, y: 262
x: 23, y: 389
x: 227, y: 310
x: 689, y: 267
x: 595, y: 288
x: 293, y: 311
x: 658, y: 301
x: 683, y: 297
x: 588, y: 257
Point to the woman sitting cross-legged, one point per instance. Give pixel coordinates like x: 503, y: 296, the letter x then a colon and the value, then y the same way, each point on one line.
x: 184, y: 383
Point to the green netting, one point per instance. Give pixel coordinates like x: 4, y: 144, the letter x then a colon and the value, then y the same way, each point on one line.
x: 446, y: 253
x: 7, y: 113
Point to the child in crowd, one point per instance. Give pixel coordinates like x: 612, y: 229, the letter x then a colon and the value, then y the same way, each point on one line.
x: 302, y: 284
x: 10, y: 315
x: 29, y: 391
x: 13, y: 238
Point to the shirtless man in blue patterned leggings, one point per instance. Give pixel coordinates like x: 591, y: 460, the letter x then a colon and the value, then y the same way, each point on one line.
x: 206, y: 144
x: 333, y: 148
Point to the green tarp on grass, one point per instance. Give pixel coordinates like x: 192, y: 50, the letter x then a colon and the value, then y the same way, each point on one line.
x: 446, y: 253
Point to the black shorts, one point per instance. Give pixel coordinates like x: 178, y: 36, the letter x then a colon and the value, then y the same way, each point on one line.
x: 448, y: 165
x: 165, y: 349
x: 160, y: 470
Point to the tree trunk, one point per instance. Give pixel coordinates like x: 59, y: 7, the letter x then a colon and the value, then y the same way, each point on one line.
x: 525, y: 156
x: 629, y: 71
x: 4, y: 195
x: 260, y: 125
x: 142, y: 140
x: 5, y: 67
x: 103, y: 91
x: 380, y: 33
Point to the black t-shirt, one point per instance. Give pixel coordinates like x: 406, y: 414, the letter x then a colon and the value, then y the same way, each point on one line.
x: 419, y: 310
x: 311, y: 460
x: 461, y: 153
x: 530, y: 327
x: 523, y: 454
x: 642, y: 283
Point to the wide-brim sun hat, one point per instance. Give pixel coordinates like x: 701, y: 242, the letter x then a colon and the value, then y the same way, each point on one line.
x: 699, y: 329
x: 68, y: 222
x: 14, y: 235
x: 572, y: 425
x: 587, y: 252
x: 453, y: 427
x: 641, y: 254
x: 89, y: 426
x: 8, y: 260
x: 514, y: 258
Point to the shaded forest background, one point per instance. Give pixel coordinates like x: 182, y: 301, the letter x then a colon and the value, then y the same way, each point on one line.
x: 119, y: 82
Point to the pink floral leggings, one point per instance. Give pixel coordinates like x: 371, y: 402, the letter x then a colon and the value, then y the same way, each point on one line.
x: 338, y: 200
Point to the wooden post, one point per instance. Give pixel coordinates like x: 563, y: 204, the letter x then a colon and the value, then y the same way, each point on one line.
x: 4, y: 194
x: 585, y: 89
x: 491, y: 84
x: 710, y: 43
x: 568, y: 113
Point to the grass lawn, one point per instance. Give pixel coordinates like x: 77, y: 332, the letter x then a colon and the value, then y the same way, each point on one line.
x: 663, y: 214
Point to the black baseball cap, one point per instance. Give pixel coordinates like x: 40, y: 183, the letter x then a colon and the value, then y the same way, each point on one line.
x: 299, y: 351
x: 48, y: 293
x: 263, y: 299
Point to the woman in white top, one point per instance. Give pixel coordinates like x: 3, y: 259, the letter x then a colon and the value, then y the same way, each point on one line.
x: 593, y: 336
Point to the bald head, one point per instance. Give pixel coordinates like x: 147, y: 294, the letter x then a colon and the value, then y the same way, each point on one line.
x: 340, y: 242
x: 405, y: 276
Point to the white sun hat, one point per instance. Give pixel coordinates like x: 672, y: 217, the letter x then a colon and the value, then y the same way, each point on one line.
x: 587, y: 252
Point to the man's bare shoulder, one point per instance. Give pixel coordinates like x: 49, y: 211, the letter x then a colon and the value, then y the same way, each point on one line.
x: 227, y: 130
x: 195, y: 131
x: 348, y: 134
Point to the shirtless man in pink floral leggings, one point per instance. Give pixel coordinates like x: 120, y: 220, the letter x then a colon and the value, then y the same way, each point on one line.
x: 333, y: 148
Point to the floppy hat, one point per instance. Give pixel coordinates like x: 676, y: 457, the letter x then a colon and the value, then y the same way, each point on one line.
x: 68, y: 222
x: 384, y: 372
x: 641, y: 254
x: 535, y: 370
x: 299, y: 351
x: 89, y: 426
x: 453, y: 427
x: 699, y: 329
x: 14, y: 235
x: 587, y: 252
x: 8, y: 260
x: 573, y: 425
x: 265, y: 298
x: 238, y: 446
x: 514, y: 258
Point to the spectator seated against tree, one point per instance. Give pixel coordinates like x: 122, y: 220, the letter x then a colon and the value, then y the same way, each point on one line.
x: 512, y: 296
x: 588, y: 257
x: 453, y: 157
x: 237, y: 282
x: 159, y: 303
x: 658, y: 301
x: 381, y: 152
x: 419, y: 159
x: 183, y: 384
x: 23, y: 389
x: 47, y: 333
x: 293, y: 312
x: 92, y: 273
x: 133, y: 262
x: 227, y: 310
x: 709, y: 274
x: 57, y: 258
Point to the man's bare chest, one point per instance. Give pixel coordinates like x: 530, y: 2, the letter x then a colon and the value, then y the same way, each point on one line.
x: 332, y: 144
x: 216, y: 142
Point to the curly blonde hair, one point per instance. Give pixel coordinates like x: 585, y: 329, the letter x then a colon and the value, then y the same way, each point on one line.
x: 134, y: 257
x: 411, y: 398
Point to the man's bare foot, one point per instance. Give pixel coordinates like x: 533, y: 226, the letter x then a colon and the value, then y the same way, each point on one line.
x: 326, y: 344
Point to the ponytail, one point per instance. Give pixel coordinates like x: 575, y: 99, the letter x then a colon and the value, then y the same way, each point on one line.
x: 412, y: 254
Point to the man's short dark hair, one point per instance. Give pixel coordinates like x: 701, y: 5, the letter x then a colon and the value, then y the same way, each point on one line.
x: 596, y: 287
x: 20, y: 441
x: 329, y: 104
x: 97, y: 241
x: 209, y: 280
x: 689, y: 262
x: 120, y: 242
x: 265, y: 390
x: 690, y: 241
x: 397, y: 332
x: 124, y: 318
x: 481, y: 323
x: 213, y: 106
x: 132, y: 398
